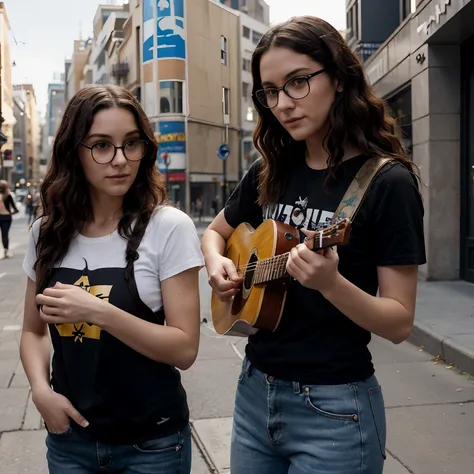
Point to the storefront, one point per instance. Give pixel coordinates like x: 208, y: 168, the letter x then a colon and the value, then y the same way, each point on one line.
x: 427, y: 65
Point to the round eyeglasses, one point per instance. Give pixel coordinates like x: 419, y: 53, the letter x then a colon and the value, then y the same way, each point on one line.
x: 104, y: 152
x: 296, y: 88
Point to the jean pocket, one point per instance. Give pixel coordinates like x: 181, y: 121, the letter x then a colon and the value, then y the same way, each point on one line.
x: 245, y: 369
x: 377, y: 407
x: 335, y: 402
x: 67, y: 432
x: 163, y: 444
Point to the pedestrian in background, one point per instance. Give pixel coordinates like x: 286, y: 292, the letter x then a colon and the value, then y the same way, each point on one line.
x: 307, y: 398
x: 7, y: 209
x: 108, y: 264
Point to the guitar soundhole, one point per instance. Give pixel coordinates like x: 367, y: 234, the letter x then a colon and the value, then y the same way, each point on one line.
x: 249, y: 274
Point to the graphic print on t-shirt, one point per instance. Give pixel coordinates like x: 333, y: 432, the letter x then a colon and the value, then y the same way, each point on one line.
x: 79, y: 331
x: 298, y: 215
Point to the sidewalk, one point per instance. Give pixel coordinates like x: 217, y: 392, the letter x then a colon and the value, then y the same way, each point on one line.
x: 444, y: 326
x: 444, y: 322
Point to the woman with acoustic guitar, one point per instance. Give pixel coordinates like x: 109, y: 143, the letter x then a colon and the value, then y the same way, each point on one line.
x: 307, y: 399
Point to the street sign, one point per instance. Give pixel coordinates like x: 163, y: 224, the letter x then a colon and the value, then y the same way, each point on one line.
x: 223, y: 151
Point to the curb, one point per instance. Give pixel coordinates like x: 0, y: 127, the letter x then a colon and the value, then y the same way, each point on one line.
x: 445, y: 347
x: 202, y: 449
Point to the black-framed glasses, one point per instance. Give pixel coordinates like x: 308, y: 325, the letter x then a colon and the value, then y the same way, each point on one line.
x: 104, y: 152
x: 296, y: 88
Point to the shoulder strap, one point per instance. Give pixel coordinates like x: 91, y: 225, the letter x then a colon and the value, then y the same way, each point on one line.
x: 357, y: 190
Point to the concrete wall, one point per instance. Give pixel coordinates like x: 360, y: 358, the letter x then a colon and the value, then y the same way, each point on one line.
x: 436, y: 150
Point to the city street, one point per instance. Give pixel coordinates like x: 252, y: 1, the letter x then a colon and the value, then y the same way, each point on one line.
x: 430, y: 405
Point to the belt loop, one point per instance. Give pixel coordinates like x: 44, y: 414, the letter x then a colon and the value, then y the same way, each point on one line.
x: 297, y: 387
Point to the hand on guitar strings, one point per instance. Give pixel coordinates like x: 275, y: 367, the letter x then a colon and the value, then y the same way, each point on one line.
x: 223, y: 278
x: 313, y: 270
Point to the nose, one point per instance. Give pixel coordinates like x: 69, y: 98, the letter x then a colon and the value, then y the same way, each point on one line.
x: 119, y: 159
x: 285, y: 102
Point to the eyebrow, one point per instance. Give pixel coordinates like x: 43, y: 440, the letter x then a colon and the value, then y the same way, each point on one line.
x: 289, y: 75
x: 103, y: 135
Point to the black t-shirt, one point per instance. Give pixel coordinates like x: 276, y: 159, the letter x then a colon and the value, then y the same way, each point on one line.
x: 315, y: 343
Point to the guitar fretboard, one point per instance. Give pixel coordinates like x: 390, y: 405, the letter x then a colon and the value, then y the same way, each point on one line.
x: 271, y: 269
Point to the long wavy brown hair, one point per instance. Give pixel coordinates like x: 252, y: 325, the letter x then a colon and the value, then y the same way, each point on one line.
x: 357, y: 115
x: 65, y: 198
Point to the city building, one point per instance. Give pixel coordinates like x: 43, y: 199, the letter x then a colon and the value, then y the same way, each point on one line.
x: 108, y: 27
x: 425, y: 70
x: 193, y: 81
x: 126, y: 66
x: 365, y: 31
x: 54, y: 112
x: 74, y: 68
x: 7, y: 119
x: 191, y: 92
x: 256, y: 9
x: 26, y: 133
x: 251, y: 31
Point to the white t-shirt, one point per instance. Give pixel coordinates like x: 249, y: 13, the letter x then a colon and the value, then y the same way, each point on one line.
x: 169, y: 246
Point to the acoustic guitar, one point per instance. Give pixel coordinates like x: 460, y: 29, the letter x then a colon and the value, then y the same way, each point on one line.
x: 260, y: 256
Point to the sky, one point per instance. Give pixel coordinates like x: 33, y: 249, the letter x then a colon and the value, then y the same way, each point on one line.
x: 43, y: 32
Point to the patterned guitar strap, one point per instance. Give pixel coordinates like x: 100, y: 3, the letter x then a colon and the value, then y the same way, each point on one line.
x: 357, y: 191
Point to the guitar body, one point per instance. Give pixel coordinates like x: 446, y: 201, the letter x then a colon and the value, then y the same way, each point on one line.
x: 255, y: 306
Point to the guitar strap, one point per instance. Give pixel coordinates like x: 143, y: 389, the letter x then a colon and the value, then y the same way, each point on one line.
x: 357, y: 190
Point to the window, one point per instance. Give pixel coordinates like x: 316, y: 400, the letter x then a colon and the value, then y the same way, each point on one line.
x: 353, y: 22
x: 171, y: 97
x: 408, y: 6
x: 245, y: 91
x: 225, y: 101
x: 246, y: 65
x: 260, y: 13
x: 250, y: 117
x: 223, y: 50
x: 246, y: 32
x: 256, y: 37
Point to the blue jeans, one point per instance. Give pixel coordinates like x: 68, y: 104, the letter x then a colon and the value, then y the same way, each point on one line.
x: 283, y: 427
x: 69, y: 453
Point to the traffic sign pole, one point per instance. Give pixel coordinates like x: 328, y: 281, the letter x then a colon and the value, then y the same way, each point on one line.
x: 223, y: 153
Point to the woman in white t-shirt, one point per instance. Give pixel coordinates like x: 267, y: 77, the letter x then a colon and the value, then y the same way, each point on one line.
x: 108, y: 263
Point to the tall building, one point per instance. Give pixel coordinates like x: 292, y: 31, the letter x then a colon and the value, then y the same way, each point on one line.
x: 26, y: 134
x: 425, y: 71
x: 108, y: 28
x: 256, y: 9
x: 7, y: 119
x: 126, y: 62
x: 74, y: 68
x: 184, y: 61
x: 251, y: 31
x: 54, y: 112
x: 365, y: 31
x: 191, y: 90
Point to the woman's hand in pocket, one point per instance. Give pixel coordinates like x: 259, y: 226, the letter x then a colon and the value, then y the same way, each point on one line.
x: 56, y: 410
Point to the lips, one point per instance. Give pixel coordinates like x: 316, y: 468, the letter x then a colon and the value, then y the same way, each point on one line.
x: 118, y: 176
x: 293, y: 120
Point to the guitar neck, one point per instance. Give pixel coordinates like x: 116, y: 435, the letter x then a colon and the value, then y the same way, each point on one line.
x: 271, y: 269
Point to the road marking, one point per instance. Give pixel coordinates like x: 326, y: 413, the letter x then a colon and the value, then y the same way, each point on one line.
x: 2, y: 275
x: 16, y: 327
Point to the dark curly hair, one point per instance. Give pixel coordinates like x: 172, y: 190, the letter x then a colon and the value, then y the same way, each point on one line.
x: 65, y: 199
x: 357, y: 116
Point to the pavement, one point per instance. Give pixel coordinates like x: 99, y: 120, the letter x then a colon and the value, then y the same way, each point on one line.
x: 429, y: 401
